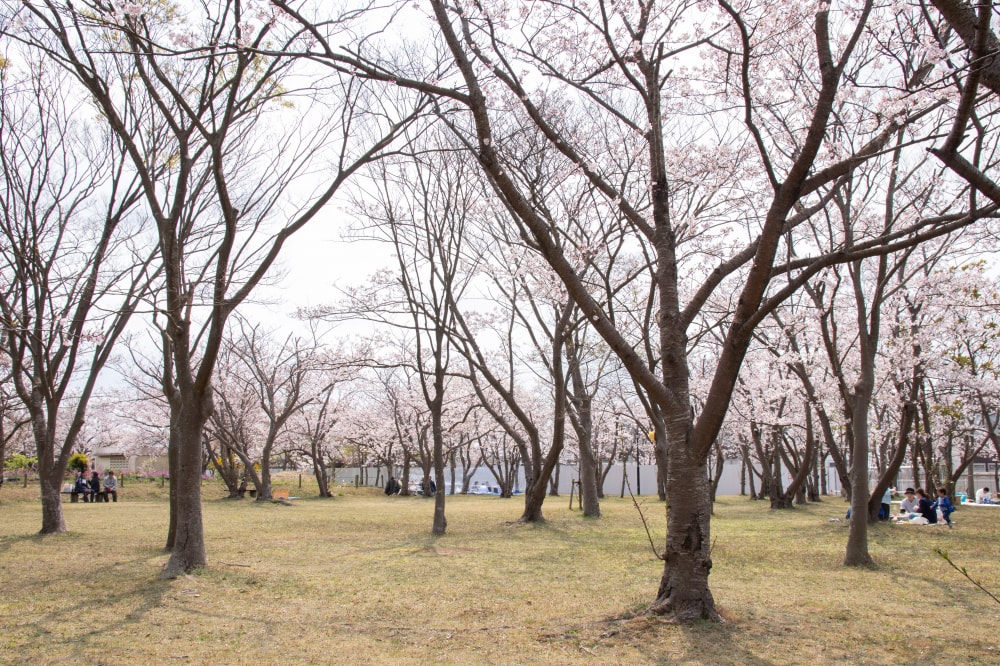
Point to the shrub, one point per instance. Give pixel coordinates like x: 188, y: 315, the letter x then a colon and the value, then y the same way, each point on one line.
x: 17, y: 462
x: 78, y: 462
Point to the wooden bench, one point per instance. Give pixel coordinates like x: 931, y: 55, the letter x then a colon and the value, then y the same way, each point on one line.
x: 74, y: 496
x: 276, y: 493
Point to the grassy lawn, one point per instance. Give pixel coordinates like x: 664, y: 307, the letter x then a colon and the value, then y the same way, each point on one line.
x: 359, y: 579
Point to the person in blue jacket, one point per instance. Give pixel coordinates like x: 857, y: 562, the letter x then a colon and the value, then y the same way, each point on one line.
x: 80, y: 487
x: 944, y: 505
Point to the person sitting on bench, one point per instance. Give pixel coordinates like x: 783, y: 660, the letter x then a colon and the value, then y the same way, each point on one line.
x: 81, y: 487
x: 110, y: 485
x: 95, y: 485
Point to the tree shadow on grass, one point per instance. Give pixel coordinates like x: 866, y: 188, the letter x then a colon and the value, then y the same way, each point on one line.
x: 660, y: 641
x: 89, y: 609
x: 7, y: 541
x: 552, y: 528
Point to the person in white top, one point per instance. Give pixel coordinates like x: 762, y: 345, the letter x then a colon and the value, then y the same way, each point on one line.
x: 110, y: 486
x: 983, y: 496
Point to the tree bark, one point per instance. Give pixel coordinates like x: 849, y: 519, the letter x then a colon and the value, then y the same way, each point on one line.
x: 683, y: 591
x: 857, y: 537
x: 440, y: 524
x: 53, y: 521
x: 188, y: 548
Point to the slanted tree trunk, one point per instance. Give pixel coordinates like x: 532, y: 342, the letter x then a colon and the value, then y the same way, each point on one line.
x: 797, y: 488
x: 554, y: 481
x: 538, y: 468
x: 717, y: 468
x: 322, y: 477
x: 908, y: 415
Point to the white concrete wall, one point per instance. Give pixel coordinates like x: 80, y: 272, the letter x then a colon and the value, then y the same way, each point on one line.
x: 643, y: 484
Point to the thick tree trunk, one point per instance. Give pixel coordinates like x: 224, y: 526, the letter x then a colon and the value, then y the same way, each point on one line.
x: 533, y: 499
x: 173, y: 469
x: 51, y: 468
x: 52, y: 512
x: 857, y: 539
x: 776, y: 491
x: 437, y: 432
x: 817, y: 485
x: 588, y: 483
x: 440, y: 521
x: 405, y: 491
x: 322, y: 479
x: 684, y: 592
x: 264, y: 489
x: 188, y: 551
x: 583, y: 423
x: 588, y: 463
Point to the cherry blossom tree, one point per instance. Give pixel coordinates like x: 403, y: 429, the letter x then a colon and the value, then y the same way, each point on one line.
x: 270, y: 380
x: 959, y: 396
x: 187, y: 95
x: 422, y: 214
x: 647, y: 75
x: 73, y: 266
x: 314, y: 428
x: 502, y: 376
x: 13, y: 417
x: 965, y: 41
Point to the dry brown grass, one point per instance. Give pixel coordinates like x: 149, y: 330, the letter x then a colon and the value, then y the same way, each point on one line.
x: 359, y: 579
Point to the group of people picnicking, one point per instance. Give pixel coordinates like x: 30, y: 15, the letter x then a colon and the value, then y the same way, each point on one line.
x: 917, y: 505
x: 94, y: 489
x: 394, y: 487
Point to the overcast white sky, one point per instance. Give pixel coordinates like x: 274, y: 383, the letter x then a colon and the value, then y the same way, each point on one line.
x: 315, y: 262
